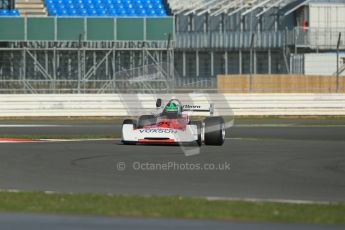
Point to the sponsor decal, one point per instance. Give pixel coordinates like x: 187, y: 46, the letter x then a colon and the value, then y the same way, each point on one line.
x: 192, y: 107
x: 156, y: 130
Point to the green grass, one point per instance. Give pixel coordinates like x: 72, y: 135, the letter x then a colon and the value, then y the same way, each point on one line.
x: 171, y: 206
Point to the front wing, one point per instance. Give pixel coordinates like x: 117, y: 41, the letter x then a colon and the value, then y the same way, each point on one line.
x: 159, y: 135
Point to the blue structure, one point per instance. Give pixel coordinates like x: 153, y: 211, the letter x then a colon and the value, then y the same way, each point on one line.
x: 113, y: 8
x: 9, y: 13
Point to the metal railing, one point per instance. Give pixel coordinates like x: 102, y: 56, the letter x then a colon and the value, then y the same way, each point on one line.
x: 145, y: 79
x: 229, y: 40
x: 316, y: 38
x: 313, y: 38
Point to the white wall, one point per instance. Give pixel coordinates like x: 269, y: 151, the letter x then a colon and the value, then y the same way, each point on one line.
x: 322, y: 63
x: 330, y: 15
x: 136, y: 104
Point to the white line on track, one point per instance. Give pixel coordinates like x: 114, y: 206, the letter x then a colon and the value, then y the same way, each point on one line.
x: 289, y: 201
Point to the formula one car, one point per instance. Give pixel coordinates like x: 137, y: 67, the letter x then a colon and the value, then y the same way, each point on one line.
x: 171, y: 124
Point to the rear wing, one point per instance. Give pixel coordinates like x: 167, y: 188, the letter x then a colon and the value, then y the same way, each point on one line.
x: 199, y: 108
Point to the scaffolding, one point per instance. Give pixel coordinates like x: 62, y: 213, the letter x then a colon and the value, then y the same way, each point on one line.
x: 86, y: 54
x: 86, y: 67
x: 227, y: 7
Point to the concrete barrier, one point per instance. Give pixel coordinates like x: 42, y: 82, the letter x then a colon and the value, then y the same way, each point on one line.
x: 135, y: 104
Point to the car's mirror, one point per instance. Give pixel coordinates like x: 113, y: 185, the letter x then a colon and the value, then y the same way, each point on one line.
x: 159, y: 103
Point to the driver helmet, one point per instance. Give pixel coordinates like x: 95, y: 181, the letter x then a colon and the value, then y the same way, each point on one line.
x: 172, y: 110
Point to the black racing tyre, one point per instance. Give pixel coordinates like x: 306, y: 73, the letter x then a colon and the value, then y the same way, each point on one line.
x: 129, y: 142
x: 199, y: 127
x: 145, y: 120
x: 214, y: 131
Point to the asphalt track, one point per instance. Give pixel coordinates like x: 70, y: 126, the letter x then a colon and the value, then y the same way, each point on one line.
x: 286, y: 161
x: 297, y: 161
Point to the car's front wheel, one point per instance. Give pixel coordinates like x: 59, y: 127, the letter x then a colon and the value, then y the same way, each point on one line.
x: 214, y: 131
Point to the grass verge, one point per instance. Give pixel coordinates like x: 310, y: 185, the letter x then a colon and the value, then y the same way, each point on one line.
x: 171, y: 206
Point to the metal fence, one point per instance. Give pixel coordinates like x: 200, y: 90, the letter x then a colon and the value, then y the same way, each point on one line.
x: 93, y: 67
x: 145, y: 79
x: 230, y: 40
x: 315, y: 38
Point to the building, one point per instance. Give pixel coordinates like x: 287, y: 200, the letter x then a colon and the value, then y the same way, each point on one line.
x: 102, y: 46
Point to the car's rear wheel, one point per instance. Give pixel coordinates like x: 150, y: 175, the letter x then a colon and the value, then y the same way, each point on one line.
x: 129, y: 122
x: 146, y: 120
x: 214, y: 131
x: 198, y: 124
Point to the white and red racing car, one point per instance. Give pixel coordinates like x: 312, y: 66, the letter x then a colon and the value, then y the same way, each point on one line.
x: 171, y: 124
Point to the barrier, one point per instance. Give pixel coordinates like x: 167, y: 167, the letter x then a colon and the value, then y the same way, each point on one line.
x: 280, y: 83
x: 86, y: 28
x: 135, y: 104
